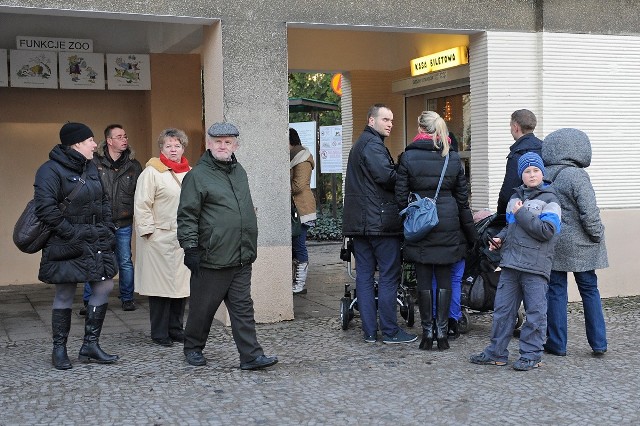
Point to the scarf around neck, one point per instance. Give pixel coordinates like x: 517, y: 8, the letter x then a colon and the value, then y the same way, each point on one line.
x: 182, y: 166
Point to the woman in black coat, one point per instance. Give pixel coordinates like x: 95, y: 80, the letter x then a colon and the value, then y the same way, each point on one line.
x: 81, y: 246
x: 419, y: 172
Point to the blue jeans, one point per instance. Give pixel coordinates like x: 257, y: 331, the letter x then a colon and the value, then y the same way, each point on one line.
x: 125, y: 265
x: 457, y: 270
x: 557, y: 311
x: 299, y: 245
x: 385, y: 253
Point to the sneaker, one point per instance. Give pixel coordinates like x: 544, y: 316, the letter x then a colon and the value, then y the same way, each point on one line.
x: 370, y: 338
x: 129, y: 305
x: 195, y: 358
x: 524, y: 364
x: 484, y: 359
x: 400, y: 337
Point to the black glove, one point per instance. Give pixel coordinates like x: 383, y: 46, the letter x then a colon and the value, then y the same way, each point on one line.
x: 192, y: 259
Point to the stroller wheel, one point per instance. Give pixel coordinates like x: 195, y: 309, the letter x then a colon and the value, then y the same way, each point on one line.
x: 345, y: 314
x: 464, y: 323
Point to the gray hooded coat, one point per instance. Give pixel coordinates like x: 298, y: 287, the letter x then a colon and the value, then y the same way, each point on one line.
x: 581, y: 246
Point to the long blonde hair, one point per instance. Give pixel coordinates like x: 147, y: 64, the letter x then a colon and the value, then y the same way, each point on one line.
x: 431, y: 123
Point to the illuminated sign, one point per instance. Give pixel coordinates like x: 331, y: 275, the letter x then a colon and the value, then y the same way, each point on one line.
x: 440, y: 61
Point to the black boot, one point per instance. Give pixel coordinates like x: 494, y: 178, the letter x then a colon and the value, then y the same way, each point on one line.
x: 90, y: 350
x: 442, y: 318
x: 60, y: 325
x: 454, y: 332
x: 425, y: 304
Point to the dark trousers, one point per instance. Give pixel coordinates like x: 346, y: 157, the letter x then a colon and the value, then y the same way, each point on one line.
x: 208, y: 290
x: 165, y: 314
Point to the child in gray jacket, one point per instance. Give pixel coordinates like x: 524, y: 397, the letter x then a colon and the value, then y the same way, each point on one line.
x: 527, y: 245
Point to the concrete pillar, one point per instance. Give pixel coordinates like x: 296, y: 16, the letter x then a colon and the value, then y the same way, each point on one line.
x: 249, y: 88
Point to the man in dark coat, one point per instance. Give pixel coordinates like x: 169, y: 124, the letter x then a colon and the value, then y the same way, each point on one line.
x: 371, y: 218
x: 218, y: 230
x: 119, y: 171
x: 523, y: 123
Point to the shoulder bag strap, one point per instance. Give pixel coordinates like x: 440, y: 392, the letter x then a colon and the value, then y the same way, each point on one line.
x: 176, y: 178
x: 69, y: 198
x: 444, y: 168
x: 558, y: 172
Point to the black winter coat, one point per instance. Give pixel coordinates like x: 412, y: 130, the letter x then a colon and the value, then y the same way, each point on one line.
x: 81, y: 247
x: 419, y: 171
x: 369, y: 205
x: 119, y: 184
x: 525, y: 143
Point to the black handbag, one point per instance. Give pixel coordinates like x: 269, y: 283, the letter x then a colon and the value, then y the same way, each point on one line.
x: 296, y: 225
x: 30, y: 234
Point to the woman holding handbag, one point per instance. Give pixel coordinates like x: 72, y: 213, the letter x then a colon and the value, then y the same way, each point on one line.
x: 426, y: 165
x: 81, y: 245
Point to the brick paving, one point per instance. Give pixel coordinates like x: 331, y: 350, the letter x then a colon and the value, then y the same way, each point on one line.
x: 326, y: 376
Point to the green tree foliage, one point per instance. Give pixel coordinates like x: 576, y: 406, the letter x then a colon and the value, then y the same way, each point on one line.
x: 315, y: 86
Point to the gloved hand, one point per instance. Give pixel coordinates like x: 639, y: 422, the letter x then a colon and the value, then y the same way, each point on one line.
x: 192, y: 259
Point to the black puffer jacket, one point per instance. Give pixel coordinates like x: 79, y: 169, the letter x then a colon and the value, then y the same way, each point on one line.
x: 419, y: 171
x: 81, y: 247
x: 369, y: 206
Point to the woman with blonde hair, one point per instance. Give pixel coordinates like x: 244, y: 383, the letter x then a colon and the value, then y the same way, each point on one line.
x: 419, y: 172
x: 160, y: 272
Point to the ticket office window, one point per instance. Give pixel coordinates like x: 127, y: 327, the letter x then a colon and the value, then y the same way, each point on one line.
x: 452, y: 105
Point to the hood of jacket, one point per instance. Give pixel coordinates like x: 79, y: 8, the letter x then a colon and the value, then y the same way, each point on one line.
x: 157, y: 164
x: 567, y: 147
x: 102, y: 147
x: 299, y: 154
x: 68, y: 157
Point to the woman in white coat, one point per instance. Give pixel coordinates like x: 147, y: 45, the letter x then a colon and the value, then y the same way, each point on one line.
x: 160, y: 273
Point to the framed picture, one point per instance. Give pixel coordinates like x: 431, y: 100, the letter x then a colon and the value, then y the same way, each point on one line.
x: 34, y: 68
x: 128, y: 71
x: 80, y: 70
x: 4, y: 68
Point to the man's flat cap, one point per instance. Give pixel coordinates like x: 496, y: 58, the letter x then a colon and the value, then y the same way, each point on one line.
x: 223, y: 129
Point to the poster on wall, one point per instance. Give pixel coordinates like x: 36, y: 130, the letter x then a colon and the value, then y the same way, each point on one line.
x: 4, y: 69
x: 331, y: 149
x: 128, y: 71
x: 34, y: 68
x: 307, y: 132
x: 80, y: 70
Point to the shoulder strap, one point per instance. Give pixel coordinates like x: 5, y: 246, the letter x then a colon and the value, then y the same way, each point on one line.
x: 176, y: 178
x: 444, y: 168
x: 558, y: 172
x: 69, y: 198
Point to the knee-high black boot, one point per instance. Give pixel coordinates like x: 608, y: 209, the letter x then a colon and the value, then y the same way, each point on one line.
x: 425, y: 304
x: 60, y: 326
x: 442, y: 318
x: 90, y: 350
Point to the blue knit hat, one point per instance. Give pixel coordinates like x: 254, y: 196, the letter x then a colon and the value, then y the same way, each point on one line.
x: 530, y: 159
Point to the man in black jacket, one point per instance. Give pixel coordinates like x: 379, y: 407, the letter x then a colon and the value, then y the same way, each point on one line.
x: 523, y: 123
x: 371, y: 218
x: 119, y: 171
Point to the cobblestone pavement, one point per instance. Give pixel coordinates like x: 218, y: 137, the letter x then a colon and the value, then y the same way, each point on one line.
x: 325, y: 375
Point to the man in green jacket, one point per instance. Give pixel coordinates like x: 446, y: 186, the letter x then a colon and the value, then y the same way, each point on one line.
x: 218, y: 230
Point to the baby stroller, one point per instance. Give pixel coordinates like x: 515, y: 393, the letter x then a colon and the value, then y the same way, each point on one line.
x: 349, y: 302
x: 482, y: 272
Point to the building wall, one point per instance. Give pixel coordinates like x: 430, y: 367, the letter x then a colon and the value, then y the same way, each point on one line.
x: 30, y: 120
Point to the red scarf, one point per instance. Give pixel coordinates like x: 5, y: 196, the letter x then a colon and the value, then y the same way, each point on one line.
x: 182, y: 166
x: 428, y: 137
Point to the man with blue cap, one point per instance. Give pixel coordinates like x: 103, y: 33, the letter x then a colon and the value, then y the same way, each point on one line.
x: 218, y: 230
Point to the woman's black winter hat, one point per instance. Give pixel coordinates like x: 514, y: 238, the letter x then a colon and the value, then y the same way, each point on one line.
x: 72, y: 133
